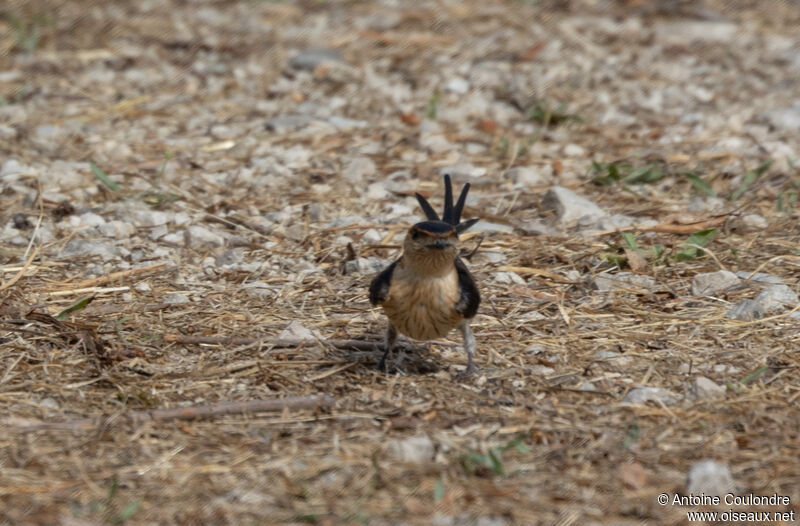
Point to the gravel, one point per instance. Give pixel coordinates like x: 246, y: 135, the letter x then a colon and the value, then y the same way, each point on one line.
x: 624, y: 281
x: 417, y: 449
x: 199, y: 238
x: 710, y: 477
x: 706, y: 389
x: 260, y: 147
x: 641, y: 395
x: 710, y: 283
x: 570, y: 207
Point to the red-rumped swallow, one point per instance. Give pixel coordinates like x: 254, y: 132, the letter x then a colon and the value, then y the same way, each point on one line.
x: 429, y: 291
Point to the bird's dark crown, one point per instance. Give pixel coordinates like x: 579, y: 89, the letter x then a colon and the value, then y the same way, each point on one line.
x: 432, y: 228
x: 451, y: 215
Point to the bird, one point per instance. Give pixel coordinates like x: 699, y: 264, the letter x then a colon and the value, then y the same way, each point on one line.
x: 428, y: 291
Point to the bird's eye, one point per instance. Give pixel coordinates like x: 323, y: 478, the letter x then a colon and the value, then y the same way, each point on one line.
x: 415, y: 234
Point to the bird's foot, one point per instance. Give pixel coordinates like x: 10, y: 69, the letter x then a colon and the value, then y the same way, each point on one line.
x: 469, y: 371
x: 382, y: 366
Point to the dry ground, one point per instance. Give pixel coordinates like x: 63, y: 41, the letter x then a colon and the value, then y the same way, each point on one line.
x: 171, y: 101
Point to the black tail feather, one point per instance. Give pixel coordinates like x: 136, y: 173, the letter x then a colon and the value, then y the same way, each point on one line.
x: 451, y: 214
x: 463, y: 227
x: 448, y: 213
x: 460, y: 204
x: 430, y: 213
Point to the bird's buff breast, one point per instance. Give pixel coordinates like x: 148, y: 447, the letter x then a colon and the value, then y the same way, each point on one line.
x: 423, y: 308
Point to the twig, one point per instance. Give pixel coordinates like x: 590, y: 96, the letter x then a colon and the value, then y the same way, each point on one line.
x: 94, y: 282
x: 92, y: 290
x: 667, y: 228
x: 9, y: 283
x: 536, y: 272
x: 331, y: 372
x: 191, y: 413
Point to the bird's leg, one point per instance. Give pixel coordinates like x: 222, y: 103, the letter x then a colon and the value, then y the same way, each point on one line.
x: 469, y: 346
x: 391, y: 339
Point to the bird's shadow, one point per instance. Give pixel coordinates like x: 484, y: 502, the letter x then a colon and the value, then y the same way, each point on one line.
x: 405, y: 358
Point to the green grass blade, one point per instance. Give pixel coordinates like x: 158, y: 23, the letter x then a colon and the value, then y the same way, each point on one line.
x: 75, y: 307
x: 754, y: 375
x: 700, y: 185
x: 103, y: 177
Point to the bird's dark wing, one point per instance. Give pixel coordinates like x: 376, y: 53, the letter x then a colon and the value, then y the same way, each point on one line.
x: 379, y: 287
x: 470, y: 298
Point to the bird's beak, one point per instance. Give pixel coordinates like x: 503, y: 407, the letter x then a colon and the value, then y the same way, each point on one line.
x: 439, y: 244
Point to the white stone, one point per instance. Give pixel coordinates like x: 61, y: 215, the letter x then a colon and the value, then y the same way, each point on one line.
x: 296, y: 331
x: 760, y: 277
x: 508, y: 278
x: 786, y: 119
x: 709, y: 477
x: 343, y: 123
x: 569, y: 206
x: 117, y: 229
x: 463, y: 172
x: 258, y: 290
x: 177, y: 239
x: 746, y: 310
x: 612, y: 222
x: 49, y: 403
x: 158, y: 232
x: 754, y: 221
x: 365, y: 266
x: 201, y: 237
x: 357, y: 169
x: 83, y: 247
x: 91, y: 219
x: 457, y: 85
x: 705, y: 388
x: 435, y: 143
x: 418, y: 449
x: 710, y: 283
x: 776, y: 298
x: 64, y: 176
x: 640, y: 395
x: 176, y: 298
x: 372, y: 236
x: 377, y: 192
x: 530, y: 175
x: 12, y: 167
x: 489, y: 256
x: 149, y: 218
x: 613, y: 357
x: 624, y: 281
x: 686, y: 31
x: 310, y: 58
x: 574, y: 150
x: 181, y: 219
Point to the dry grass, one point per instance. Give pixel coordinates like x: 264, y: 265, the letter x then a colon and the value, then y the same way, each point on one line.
x: 537, y: 352
x: 319, y: 464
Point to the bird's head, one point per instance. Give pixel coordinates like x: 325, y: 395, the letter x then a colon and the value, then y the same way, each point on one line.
x: 431, y: 246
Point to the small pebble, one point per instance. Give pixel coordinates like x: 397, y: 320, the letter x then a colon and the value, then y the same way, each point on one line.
x: 413, y: 450
x: 176, y: 298
x: 640, y: 395
x: 709, y: 477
